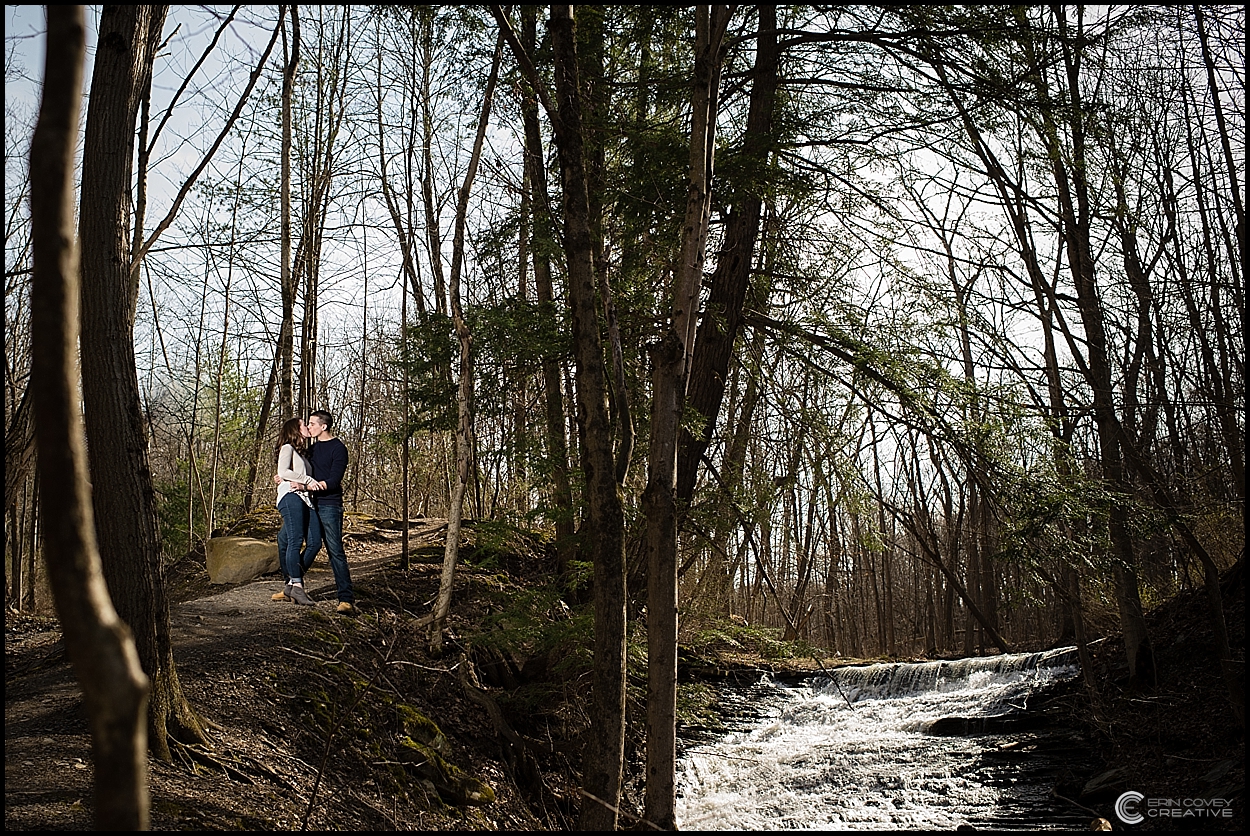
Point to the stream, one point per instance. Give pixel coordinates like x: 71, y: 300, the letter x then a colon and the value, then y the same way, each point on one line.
x: 923, y: 746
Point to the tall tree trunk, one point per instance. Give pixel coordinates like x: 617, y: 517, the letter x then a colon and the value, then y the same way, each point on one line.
x: 543, y: 246
x: 286, y: 334
x: 671, y: 362
x: 464, y: 400
x: 114, y: 686
x: 595, y: 97
x: 660, y: 512
x: 222, y: 349
x: 400, y: 202
x: 718, y: 330
x: 405, y: 557
x: 329, y: 110
x: 433, y: 235
x: 603, y: 761
x: 125, y: 513
x: 1076, y: 217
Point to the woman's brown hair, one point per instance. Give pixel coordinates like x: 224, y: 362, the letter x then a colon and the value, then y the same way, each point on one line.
x: 291, y: 435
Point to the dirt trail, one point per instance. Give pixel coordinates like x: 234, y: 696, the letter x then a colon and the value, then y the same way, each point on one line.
x: 229, y: 641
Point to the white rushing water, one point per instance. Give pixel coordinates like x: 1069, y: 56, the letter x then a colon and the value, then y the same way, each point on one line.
x: 855, y: 753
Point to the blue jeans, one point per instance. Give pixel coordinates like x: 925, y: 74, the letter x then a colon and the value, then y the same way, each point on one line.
x: 295, y: 517
x: 326, y: 521
x: 306, y: 557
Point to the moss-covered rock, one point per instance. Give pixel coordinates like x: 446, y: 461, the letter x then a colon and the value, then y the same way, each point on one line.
x: 451, y: 783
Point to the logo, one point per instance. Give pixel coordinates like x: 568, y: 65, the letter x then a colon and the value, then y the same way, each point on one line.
x: 1134, y: 808
x: 1126, y: 808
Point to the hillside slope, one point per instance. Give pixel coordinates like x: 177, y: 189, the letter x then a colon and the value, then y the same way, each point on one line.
x: 330, y: 722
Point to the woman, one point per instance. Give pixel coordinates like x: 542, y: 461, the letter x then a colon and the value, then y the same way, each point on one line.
x: 294, y: 504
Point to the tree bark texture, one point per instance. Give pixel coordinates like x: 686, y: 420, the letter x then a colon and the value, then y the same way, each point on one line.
x: 464, y: 398
x: 604, y: 533
x: 123, y: 498
x: 671, y: 359
x: 115, y: 688
x: 722, y: 321
x: 660, y: 511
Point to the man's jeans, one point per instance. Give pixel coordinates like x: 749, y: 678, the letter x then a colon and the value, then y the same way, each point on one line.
x: 326, y: 522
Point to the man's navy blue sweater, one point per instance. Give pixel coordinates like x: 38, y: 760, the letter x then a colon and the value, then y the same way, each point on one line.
x: 328, y: 460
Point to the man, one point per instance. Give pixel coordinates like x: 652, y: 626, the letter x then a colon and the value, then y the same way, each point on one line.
x: 327, y: 459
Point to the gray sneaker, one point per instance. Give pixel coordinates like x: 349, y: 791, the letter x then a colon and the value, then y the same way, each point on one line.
x: 299, y: 596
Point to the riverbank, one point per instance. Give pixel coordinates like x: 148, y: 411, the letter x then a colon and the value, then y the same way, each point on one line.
x: 336, y: 723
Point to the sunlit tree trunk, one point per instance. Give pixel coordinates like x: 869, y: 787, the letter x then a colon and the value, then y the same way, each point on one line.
x: 603, y: 533
x: 125, y: 513
x: 464, y: 400
x: 671, y: 358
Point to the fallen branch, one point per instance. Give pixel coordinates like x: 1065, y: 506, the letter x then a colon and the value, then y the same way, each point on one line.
x: 835, y: 682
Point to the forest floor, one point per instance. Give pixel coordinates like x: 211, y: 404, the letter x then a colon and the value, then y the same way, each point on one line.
x: 327, y: 722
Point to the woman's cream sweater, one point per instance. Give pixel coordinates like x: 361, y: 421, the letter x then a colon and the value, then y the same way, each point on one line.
x: 292, y: 468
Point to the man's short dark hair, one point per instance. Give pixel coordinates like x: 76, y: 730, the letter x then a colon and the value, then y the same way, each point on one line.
x: 324, y: 417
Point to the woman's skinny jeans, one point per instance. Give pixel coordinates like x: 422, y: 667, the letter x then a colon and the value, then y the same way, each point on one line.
x: 295, y: 522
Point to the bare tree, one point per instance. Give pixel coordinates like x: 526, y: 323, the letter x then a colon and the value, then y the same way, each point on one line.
x: 603, y: 534
x: 671, y: 357
x: 285, y: 349
x: 115, y: 689
x: 124, y: 500
x: 464, y: 399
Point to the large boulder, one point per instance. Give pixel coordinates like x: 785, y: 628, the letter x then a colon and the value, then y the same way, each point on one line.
x: 239, y: 559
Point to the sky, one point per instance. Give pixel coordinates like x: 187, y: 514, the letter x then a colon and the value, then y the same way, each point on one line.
x: 212, y: 93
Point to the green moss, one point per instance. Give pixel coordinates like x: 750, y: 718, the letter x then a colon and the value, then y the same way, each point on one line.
x: 452, y: 784
x: 696, y: 704
x: 417, y: 725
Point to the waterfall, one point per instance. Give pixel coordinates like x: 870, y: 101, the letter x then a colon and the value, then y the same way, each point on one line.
x: 883, y: 747
x: 999, y: 683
